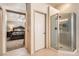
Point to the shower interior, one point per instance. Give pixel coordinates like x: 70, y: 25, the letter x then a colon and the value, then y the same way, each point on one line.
x: 63, y: 31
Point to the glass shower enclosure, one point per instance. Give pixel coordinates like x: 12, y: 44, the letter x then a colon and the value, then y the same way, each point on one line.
x: 63, y: 31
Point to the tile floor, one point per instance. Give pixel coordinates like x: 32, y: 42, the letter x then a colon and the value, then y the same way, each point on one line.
x: 18, y: 52
x: 42, y: 52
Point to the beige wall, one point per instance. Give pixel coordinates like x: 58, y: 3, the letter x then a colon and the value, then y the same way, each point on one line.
x: 53, y: 11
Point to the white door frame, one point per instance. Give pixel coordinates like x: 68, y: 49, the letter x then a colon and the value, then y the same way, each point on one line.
x: 34, y: 27
x: 5, y: 25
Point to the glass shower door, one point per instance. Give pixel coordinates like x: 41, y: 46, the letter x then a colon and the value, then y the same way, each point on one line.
x: 54, y: 31
x: 65, y: 31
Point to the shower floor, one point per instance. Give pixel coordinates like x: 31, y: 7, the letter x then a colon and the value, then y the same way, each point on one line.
x: 64, y: 47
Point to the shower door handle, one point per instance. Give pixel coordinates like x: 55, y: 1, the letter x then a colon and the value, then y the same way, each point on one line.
x: 55, y: 28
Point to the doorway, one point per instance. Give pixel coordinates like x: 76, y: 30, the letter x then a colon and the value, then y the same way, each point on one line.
x: 15, y: 30
x: 40, y: 22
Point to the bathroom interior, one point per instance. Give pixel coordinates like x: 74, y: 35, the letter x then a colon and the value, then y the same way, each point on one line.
x: 52, y: 26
